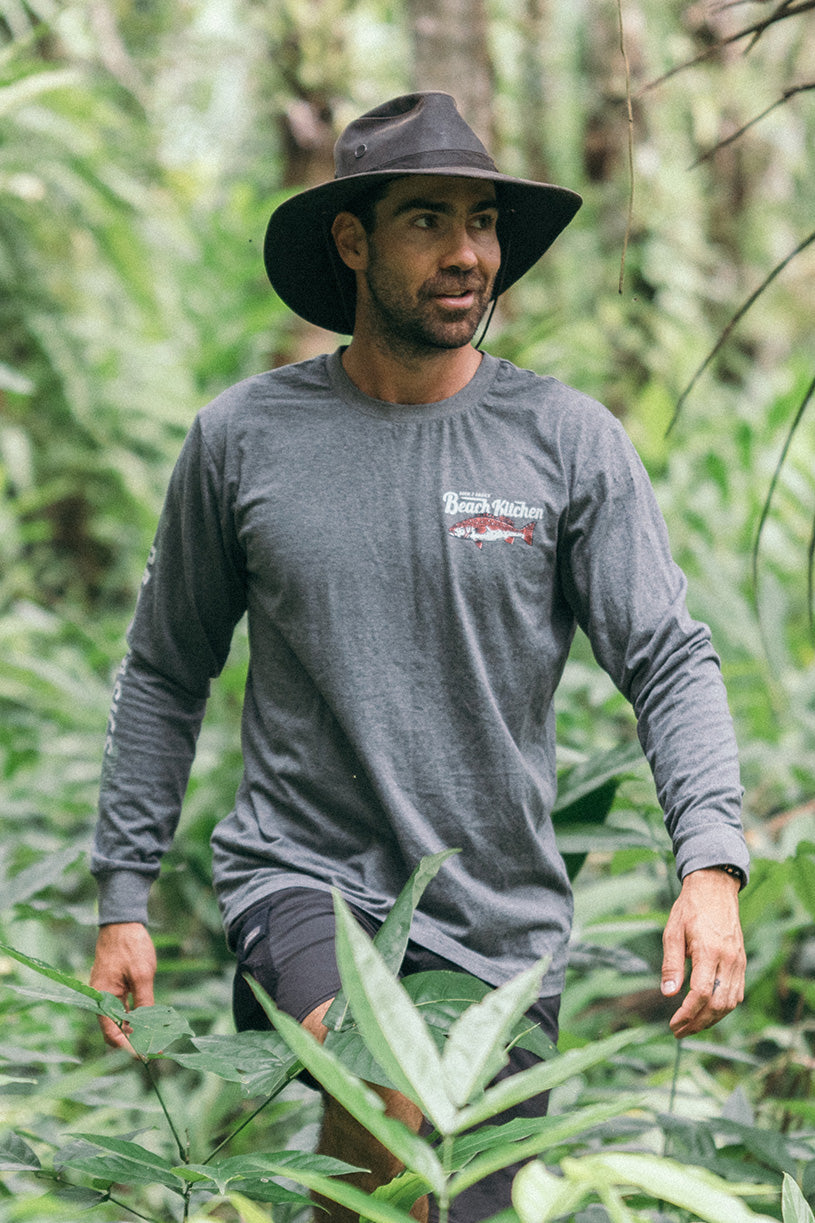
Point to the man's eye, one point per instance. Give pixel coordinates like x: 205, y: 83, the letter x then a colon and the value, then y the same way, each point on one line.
x: 487, y: 221
x: 425, y: 221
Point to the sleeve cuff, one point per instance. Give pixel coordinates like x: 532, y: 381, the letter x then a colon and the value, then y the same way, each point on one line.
x: 123, y: 897
x: 706, y: 853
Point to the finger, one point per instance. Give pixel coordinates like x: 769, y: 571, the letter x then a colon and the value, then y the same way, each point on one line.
x: 673, y: 960
x: 704, y: 1007
x: 142, y: 992
x: 115, y: 1036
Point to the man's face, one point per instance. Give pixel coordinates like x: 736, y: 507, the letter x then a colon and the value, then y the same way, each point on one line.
x: 432, y: 260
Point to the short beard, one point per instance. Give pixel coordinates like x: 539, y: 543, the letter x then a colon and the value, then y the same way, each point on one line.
x: 409, y: 328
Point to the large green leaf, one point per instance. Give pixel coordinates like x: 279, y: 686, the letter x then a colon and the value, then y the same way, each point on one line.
x: 23, y: 91
x: 364, y: 1204
x: 707, y: 1197
x: 350, y: 1047
x: 541, y: 1134
x: 76, y: 1197
x: 403, y: 1191
x: 84, y: 996
x: 14, y: 889
x: 581, y: 781
x: 442, y: 996
x: 392, y: 1027
x: 246, y: 1210
x: 476, y: 1045
x: 392, y: 937
x: 16, y: 1155
x: 260, y: 1061
x: 803, y: 875
x: 550, y: 1074
x: 117, y: 1160
x: 358, y: 1099
x: 539, y: 1196
x: 311, y: 1170
x: 794, y: 1204
x: 253, y: 1175
x: 772, y: 1149
x: 585, y: 795
x: 154, y: 1028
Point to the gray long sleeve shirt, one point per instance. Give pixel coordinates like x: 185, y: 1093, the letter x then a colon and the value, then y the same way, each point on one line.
x: 413, y: 576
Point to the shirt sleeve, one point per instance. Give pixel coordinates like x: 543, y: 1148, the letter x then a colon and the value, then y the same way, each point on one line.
x: 192, y: 595
x: 629, y: 597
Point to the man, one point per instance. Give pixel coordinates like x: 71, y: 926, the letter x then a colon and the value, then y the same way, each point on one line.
x: 415, y: 529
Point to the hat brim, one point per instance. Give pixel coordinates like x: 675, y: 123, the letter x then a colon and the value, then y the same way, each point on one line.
x: 306, y: 272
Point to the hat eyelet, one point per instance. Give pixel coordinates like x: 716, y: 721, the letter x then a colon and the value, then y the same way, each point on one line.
x: 360, y: 151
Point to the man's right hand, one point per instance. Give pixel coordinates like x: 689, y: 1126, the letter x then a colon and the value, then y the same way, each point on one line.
x: 125, y: 966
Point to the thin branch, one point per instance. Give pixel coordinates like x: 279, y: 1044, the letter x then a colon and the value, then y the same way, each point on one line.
x: 728, y: 4
x: 777, y: 823
x: 737, y: 317
x: 776, y: 15
x: 183, y: 1149
x: 785, y: 97
x: 799, y: 415
x: 803, y: 6
x: 630, y: 110
x: 811, y: 578
x: 234, y: 1133
x: 116, y: 1202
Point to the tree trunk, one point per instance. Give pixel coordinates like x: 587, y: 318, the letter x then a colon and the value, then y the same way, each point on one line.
x: 451, y: 54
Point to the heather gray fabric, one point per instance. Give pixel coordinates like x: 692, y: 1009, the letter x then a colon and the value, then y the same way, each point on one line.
x: 413, y: 576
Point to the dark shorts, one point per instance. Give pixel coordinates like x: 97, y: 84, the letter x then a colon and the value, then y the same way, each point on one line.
x: 287, y: 944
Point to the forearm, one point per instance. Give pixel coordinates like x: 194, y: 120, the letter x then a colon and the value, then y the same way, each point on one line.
x: 149, y: 750
x: 687, y: 734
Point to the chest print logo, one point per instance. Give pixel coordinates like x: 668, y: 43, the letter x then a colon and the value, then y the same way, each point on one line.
x: 490, y: 519
x: 487, y: 527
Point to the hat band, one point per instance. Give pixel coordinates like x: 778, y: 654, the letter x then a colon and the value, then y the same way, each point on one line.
x: 437, y: 159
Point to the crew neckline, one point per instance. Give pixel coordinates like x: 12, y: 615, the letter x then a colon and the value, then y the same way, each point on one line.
x: 469, y: 395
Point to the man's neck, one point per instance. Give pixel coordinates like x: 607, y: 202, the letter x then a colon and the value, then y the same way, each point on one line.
x: 403, y: 379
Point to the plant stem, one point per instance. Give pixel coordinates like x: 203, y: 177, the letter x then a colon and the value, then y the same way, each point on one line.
x: 242, y: 1126
x: 446, y: 1159
x: 674, y: 1086
x: 183, y: 1148
x: 630, y: 113
x: 115, y: 1202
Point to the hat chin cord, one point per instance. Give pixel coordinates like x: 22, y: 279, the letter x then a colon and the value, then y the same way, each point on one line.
x: 497, y: 293
x: 480, y: 339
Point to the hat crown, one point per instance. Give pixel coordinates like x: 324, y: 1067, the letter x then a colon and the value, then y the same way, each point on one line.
x: 411, y: 132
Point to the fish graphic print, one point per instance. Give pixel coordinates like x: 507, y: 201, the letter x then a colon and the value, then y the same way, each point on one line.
x: 487, y: 527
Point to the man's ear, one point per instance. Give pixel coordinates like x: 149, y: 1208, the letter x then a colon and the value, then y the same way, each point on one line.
x: 351, y: 240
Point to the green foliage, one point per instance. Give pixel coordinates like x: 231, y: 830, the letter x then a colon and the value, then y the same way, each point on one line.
x: 541, y: 1197
x: 596, y: 1141
x: 139, y: 158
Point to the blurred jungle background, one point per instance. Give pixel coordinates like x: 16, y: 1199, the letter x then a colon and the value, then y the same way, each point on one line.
x: 143, y: 144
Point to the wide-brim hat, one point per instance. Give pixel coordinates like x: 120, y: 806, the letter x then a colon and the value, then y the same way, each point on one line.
x: 418, y: 133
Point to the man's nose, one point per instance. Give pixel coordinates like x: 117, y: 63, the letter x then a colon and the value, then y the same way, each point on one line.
x: 460, y: 250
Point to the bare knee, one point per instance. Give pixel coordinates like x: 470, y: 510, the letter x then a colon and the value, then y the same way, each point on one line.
x: 344, y: 1138
x: 313, y: 1022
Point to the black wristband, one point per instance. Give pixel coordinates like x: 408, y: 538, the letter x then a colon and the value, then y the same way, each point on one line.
x: 735, y: 871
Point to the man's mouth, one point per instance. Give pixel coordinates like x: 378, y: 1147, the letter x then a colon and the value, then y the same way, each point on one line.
x: 456, y: 298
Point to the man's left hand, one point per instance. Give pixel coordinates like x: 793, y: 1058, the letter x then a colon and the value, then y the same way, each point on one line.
x: 704, y: 925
